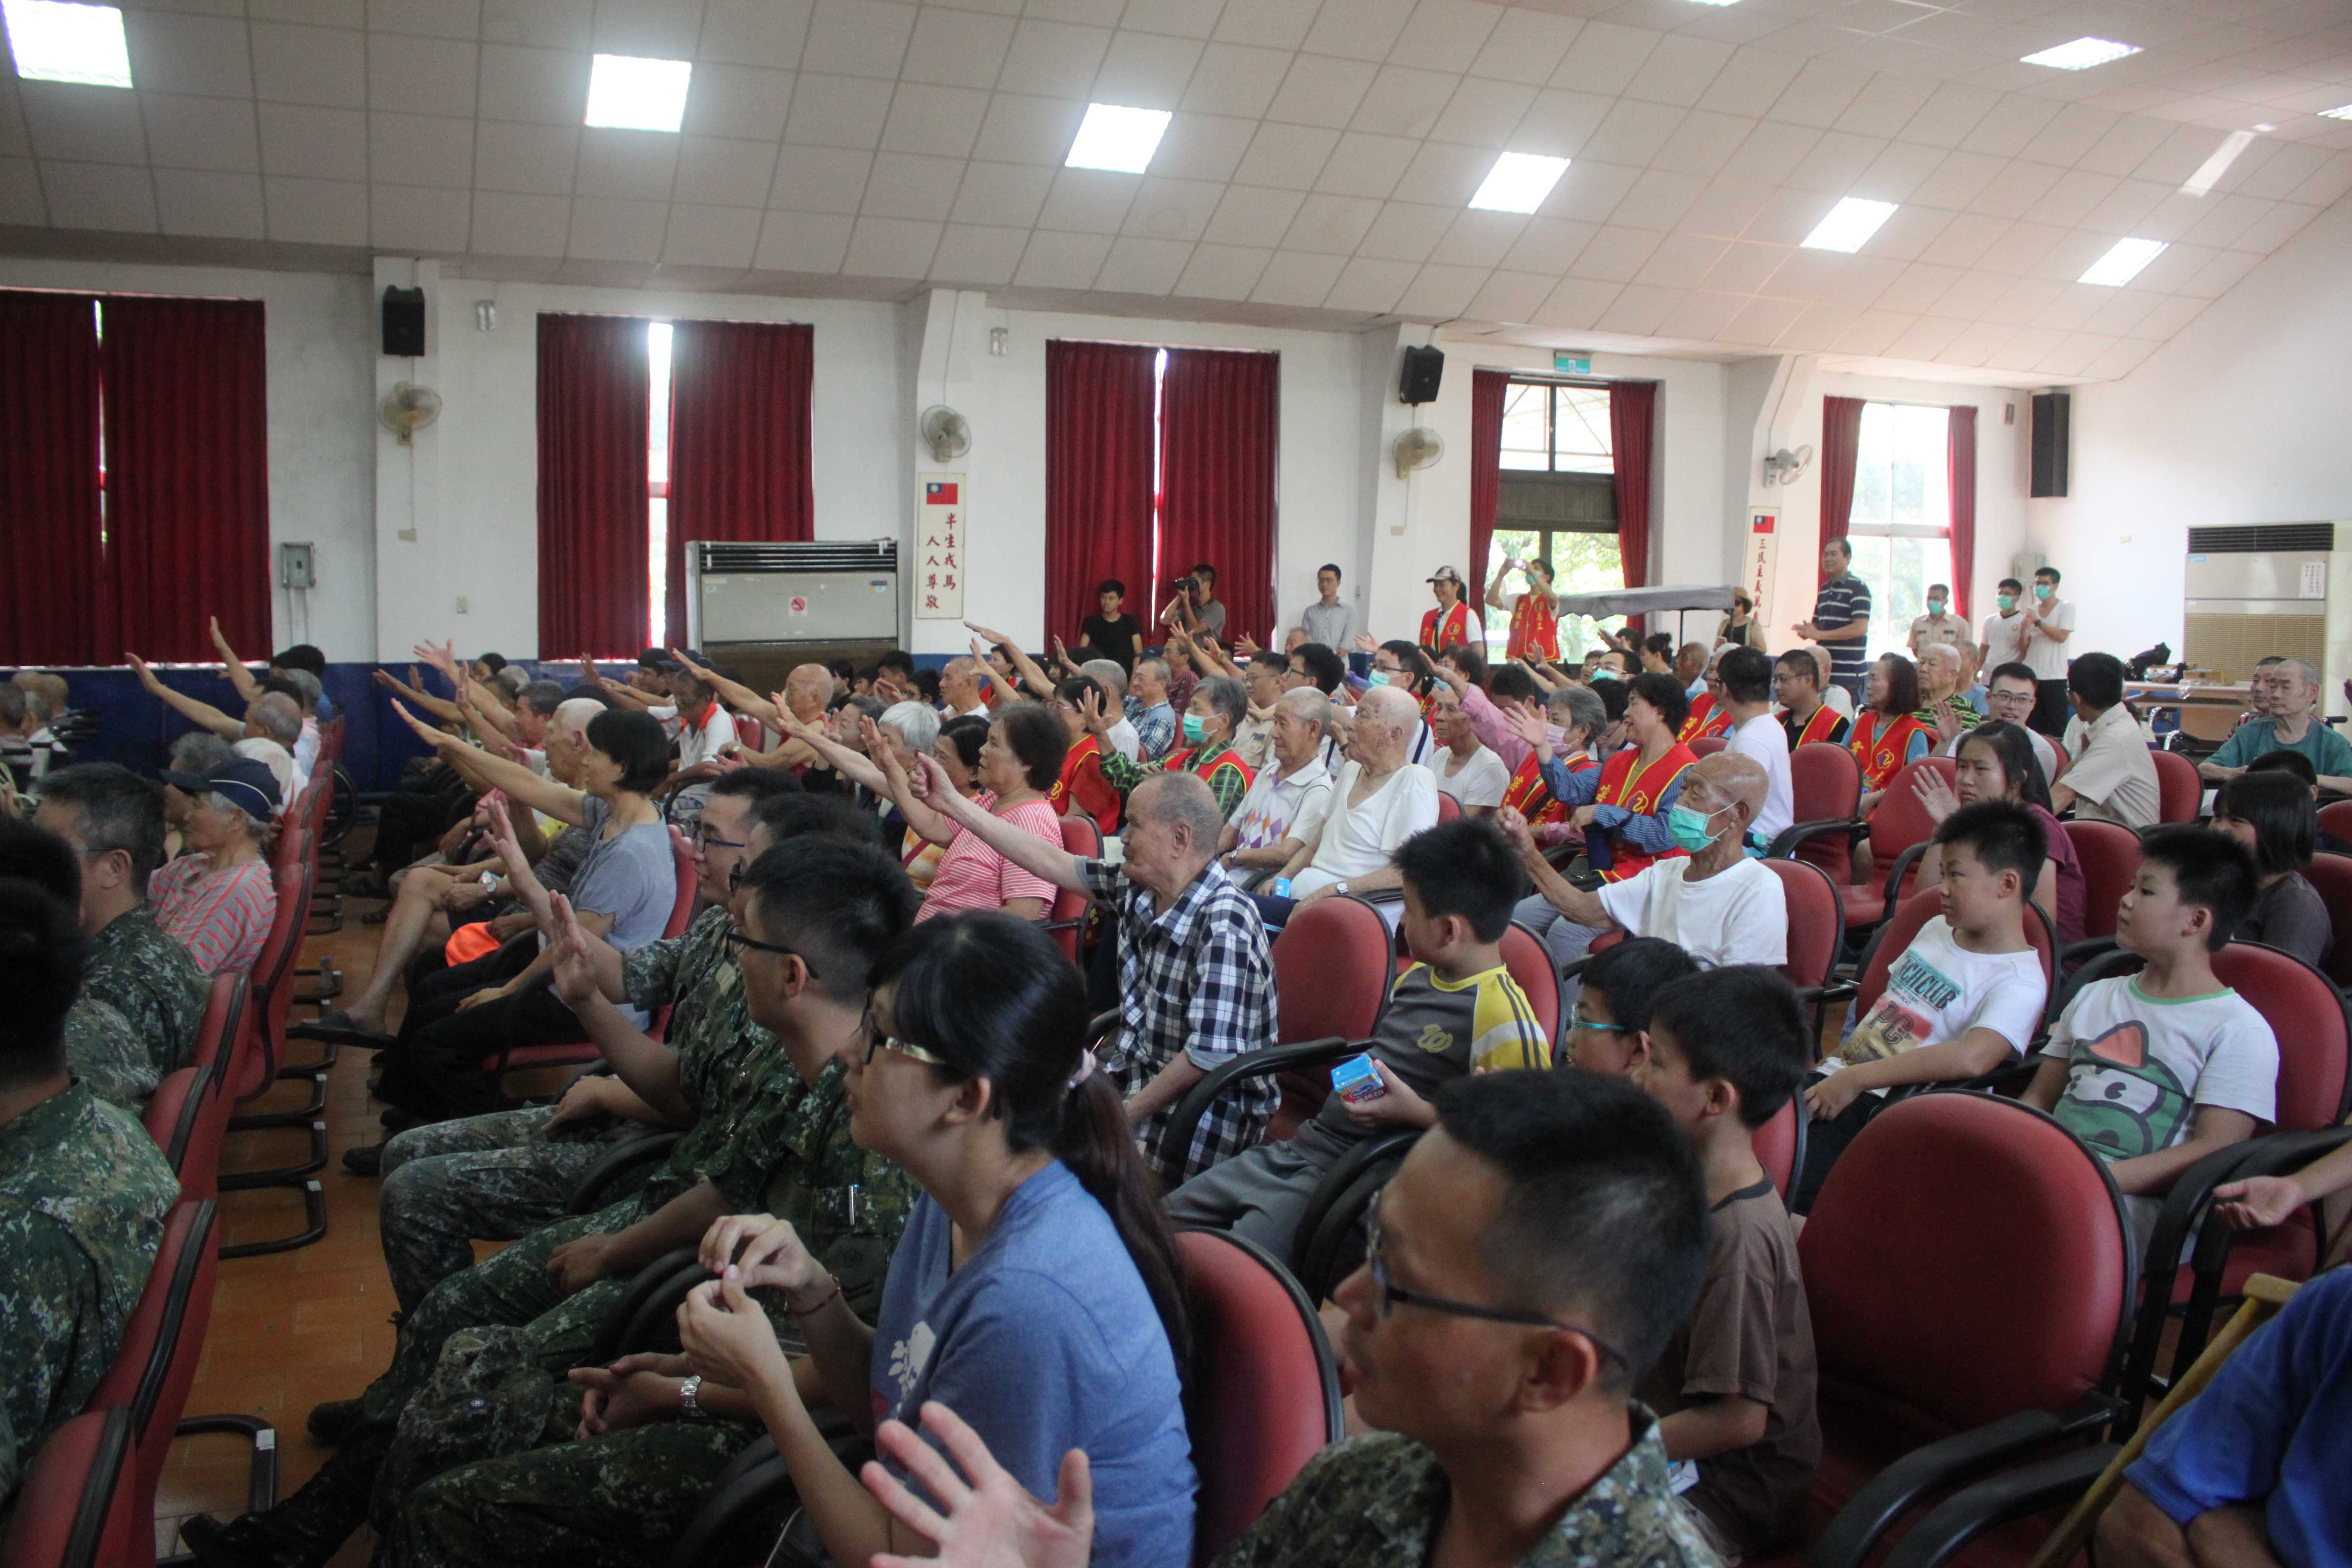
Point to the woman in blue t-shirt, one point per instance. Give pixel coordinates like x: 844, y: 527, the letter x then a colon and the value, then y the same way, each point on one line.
x: 1036, y: 1290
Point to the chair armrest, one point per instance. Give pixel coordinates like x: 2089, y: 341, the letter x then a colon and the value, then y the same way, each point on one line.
x: 1957, y: 1460
x: 650, y: 1287
x: 1902, y: 863
x: 1786, y: 842
x: 2008, y: 1075
x: 1101, y: 1027
x: 1951, y: 1525
x: 599, y: 1183
x: 1176, y: 1141
x: 2276, y: 1155
x: 2083, y: 951
x: 1321, y: 1241
x: 755, y: 1479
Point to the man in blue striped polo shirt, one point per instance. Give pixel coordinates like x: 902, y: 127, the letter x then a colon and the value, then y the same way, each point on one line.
x: 1841, y: 620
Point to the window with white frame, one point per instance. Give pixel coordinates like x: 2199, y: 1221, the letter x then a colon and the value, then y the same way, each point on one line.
x: 1901, y: 525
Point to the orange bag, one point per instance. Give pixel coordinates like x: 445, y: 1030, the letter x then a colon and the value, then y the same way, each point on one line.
x: 469, y: 942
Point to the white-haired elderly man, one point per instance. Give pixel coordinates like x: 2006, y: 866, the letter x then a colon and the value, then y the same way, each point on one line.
x: 2290, y: 727
x: 218, y: 899
x: 1379, y: 800
x: 1288, y: 801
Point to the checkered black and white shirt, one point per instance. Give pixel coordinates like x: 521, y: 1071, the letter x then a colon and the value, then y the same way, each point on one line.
x: 1195, y: 977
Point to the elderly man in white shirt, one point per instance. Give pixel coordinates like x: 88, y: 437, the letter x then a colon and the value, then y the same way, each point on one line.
x: 1287, y: 804
x: 1379, y: 800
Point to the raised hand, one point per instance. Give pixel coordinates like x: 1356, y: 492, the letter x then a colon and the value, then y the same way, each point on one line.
x: 991, y: 1521
x: 1936, y: 797
x: 575, y: 977
x: 987, y: 635
x: 1062, y: 657
x: 1362, y: 643
x: 1246, y: 645
x: 1530, y: 726
x: 1093, y: 711
x: 227, y: 653
x: 432, y: 736
x: 1515, y: 830
x: 146, y: 676
x: 729, y: 1339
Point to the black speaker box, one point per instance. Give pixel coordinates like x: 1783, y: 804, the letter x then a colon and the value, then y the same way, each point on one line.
x: 403, y: 322
x: 1423, y: 369
x: 2051, y: 411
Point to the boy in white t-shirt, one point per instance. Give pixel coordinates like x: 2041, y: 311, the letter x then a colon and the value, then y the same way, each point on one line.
x: 2156, y: 1071
x: 1964, y: 998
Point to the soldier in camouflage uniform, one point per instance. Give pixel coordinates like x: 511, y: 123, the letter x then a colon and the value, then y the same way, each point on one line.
x: 83, y: 1191
x: 770, y: 1128
x: 108, y: 1055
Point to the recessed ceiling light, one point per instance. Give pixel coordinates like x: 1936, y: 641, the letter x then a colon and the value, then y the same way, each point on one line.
x: 2082, y: 54
x: 2266, y: 127
x: 1518, y: 183
x: 2209, y: 172
x: 628, y: 93
x: 1849, y: 224
x: 2342, y: 111
x: 1117, y: 139
x: 2120, y: 265
x: 54, y: 41
x: 1718, y: 1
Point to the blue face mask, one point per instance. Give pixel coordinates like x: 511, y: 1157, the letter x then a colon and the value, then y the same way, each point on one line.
x: 2044, y: 590
x: 1377, y: 677
x: 1196, y: 729
x: 1936, y: 607
x: 1689, y: 829
x: 2007, y: 602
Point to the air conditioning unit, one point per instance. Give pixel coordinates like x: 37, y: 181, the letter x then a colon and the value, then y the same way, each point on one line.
x: 2268, y: 589
x: 808, y: 601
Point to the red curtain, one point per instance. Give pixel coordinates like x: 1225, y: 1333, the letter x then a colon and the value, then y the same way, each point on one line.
x: 1841, y: 445
x: 738, y: 440
x: 1099, y: 461
x: 595, y: 394
x: 1960, y: 464
x: 187, y: 476
x: 48, y: 481
x: 1488, y: 391
x: 1632, y: 421
x: 1219, y: 434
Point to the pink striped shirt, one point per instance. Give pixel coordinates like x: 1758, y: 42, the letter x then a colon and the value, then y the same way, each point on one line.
x: 971, y: 875
x: 223, y: 917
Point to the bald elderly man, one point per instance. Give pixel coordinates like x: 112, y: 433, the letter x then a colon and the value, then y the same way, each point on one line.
x: 1379, y: 799
x: 1715, y: 904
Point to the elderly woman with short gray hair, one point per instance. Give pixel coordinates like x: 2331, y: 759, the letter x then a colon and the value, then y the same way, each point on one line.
x: 1212, y: 719
x: 218, y: 899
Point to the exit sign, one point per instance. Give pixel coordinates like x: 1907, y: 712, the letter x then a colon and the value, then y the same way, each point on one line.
x: 1572, y: 365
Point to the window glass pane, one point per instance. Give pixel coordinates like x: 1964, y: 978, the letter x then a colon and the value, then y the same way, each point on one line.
x: 1580, y: 431
x: 1523, y: 426
x: 1873, y: 468
x: 1917, y: 492
x: 1581, y: 563
x: 1900, y: 482
x: 657, y: 571
x: 1898, y: 570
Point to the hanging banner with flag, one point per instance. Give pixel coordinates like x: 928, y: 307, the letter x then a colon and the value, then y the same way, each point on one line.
x: 942, y: 544
x: 1763, y: 544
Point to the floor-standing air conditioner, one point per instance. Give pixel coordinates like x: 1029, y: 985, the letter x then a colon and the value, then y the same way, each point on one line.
x: 763, y: 609
x: 2264, y: 590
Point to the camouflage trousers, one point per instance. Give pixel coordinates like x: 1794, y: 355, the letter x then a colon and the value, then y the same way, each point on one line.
x: 496, y: 1177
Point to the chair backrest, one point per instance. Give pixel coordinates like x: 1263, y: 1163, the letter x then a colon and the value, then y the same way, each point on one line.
x: 1781, y: 1145
x: 1331, y: 973
x: 2180, y: 792
x: 2305, y: 1012
x: 2331, y: 875
x: 689, y: 885
x: 2335, y: 820
x: 1448, y: 808
x: 1816, y: 922
x: 1967, y: 1259
x: 1081, y: 835
x: 1706, y: 745
x: 2059, y: 758
x: 1826, y: 785
x: 75, y: 1508
x: 155, y: 1364
x: 187, y: 1120
x: 2110, y: 853
x: 1265, y: 1398
x: 221, y: 1029
x: 1903, y: 923
x: 1900, y: 820
x: 1529, y: 962
x: 272, y: 975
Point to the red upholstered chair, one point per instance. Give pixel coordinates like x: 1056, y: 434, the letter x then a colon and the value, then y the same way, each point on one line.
x: 187, y: 1119
x: 156, y: 1361
x: 76, y: 1507
x: 1448, y: 808
x: 1825, y: 784
x: 263, y: 1019
x: 1082, y: 836
x: 1816, y: 933
x: 2332, y: 876
x: 1900, y: 830
x: 2180, y: 792
x: 2335, y: 820
x: 2058, y: 754
x: 1706, y: 745
x: 1267, y: 1398
x: 1529, y: 962
x: 1888, y: 945
x: 1969, y: 1272
x: 1781, y: 1145
x: 2110, y: 855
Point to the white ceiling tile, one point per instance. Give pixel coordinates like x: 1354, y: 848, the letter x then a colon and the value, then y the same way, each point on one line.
x: 1771, y: 153
x: 648, y: 29
x: 1526, y: 46
x: 535, y: 158
x: 425, y: 150
x: 422, y: 76
x: 323, y: 12
x: 202, y: 133
x: 1236, y: 78
x: 1873, y: 332
x: 1479, y: 239
x: 1919, y: 286
x: 1404, y: 102
x: 1974, y: 343
x: 1956, y: 180
x: 2071, y: 134
x: 812, y: 243
x: 432, y: 18
x: 2226, y: 220
x: 1362, y: 30
x: 1616, y: 255
x: 1089, y: 201
x: 2286, y: 168
x: 2123, y: 310
x: 1885, y: 104
x: 420, y: 222
x: 318, y: 212
x: 14, y: 141
x: 2126, y: 146
x: 1000, y: 196
x: 1443, y: 173
x: 835, y: 111
x: 511, y: 225
x: 2024, y: 349
x: 700, y: 235
x: 542, y: 24
x: 1062, y: 262
x: 637, y: 164
x: 820, y: 180
x: 2329, y: 183
x: 1742, y: 269
x: 1289, y: 156
x: 2012, y: 125
x: 1331, y: 223
x: 1633, y: 133
x: 1445, y: 35
x: 1366, y: 165
x: 2020, y: 247
x: 2179, y: 155
x: 317, y: 144
x: 1681, y: 260
x: 1951, y: 113
x: 1787, y: 219
x: 1441, y: 292
x: 1025, y: 129
x: 1550, y: 245
x: 1590, y: 191
x: 1658, y: 200
x: 1703, y: 142
x: 1900, y: 168
x: 1370, y: 286
x: 2172, y: 313
x: 1911, y: 234
x: 1750, y: 82
x: 1818, y: 93
x: 2075, y: 356
x: 2024, y: 298
x: 1679, y: 70
x: 1184, y: 18
x: 99, y: 195
x: 1250, y: 214
x: 1925, y: 338
x: 888, y: 247
x: 2218, y: 275
x: 906, y: 186
x: 1271, y: 24
x: 1577, y: 303
x: 2281, y: 223
x: 1828, y: 275
x: 766, y: 33
x: 941, y: 120
x: 715, y: 171
x: 172, y: 53
x: 1762, y: 322
x: 978, y: 253
x: 2077, y: 191
x: 1054, y: 59
x: 1172, y: 209
x: 224, y: 206
x: 1559, y: 122
x: 1724, y: 210
x: 1638, y: 309
x: 326, y: 66
x: 1146, y: 71
x: 609, y: 230
x: 85, y: 124
x: 1223, y: 271
x: 857, y: 37
x: 20, y: 193
x: 1405, y: 231
x: 1973, y: 294
x: 2018, y: 191
x: 548, y: 87
x: 2072, y: 309
x: 1509, y: 297
x: 1700, y: 315
x: 1296, y: 277
x: 1484, y: 113
x: 1203, y: 146
x: 957, y: 48
x: 1835, y: 162
x: 1138, y: 266
x: 1091, y: 12
x: 1320, y: 91
x: 1604, y: 57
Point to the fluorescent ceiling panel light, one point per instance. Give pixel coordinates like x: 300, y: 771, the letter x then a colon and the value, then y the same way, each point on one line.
x: 1849, y: 225
x: 2082, y: 54
x: 2120, y: 265
x: 1117, y: 139
x: 628, y: 93
x: 2342, y: 111
x: 54, y: 41
x: 2209, y: 173
x: 1518, y: 183
x: 1718, y: 1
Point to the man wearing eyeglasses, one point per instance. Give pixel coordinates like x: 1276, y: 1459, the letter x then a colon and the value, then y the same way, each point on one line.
x: 2009, y: 694
x: 1529, y: 1261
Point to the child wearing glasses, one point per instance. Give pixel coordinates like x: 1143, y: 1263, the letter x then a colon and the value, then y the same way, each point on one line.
x: 1736, y: 1385
x: 1609, y: 1032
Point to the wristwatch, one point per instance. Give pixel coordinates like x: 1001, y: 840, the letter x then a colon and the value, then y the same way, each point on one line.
x: 689, y: 1398
x: 1341, y: 886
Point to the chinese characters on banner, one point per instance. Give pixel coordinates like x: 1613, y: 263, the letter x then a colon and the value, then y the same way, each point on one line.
x: 1763, y: 523
x: 942, y: 546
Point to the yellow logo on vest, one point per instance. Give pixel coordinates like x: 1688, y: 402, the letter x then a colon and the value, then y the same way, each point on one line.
x: 1434, y: 1039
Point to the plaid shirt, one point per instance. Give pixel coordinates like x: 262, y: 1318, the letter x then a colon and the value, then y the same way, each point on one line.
x: 1195, y: 977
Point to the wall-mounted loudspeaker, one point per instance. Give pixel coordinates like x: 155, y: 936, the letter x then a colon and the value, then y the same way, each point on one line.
x: 403, y: 322
x: 2051, y: 411
x: 1423, y: 368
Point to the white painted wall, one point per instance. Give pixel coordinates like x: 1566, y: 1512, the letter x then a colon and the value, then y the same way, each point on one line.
x: 316, y: 329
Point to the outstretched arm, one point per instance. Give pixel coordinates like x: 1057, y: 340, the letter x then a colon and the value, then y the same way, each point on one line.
x: 733, y: 693
x: 238, y: 676
x: 1032, y: 675
x: 840, y: 758
x: 516, y: 781
x: 1024, y: 848
x: 203, y: 715
x: 414, y: 689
